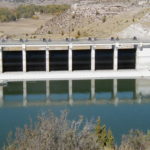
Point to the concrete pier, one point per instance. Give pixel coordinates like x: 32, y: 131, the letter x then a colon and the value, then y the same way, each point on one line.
x: 115, y: 58
x: 24, y: 59
x: 47, y: 60
x: 70, y: 58
x: 93, y: 58
x: 138, y: 49
x: 1, y: 60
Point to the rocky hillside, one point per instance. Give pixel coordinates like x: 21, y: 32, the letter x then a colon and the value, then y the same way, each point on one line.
x: 88, y: 18
x: 98, y: 20
x: 80, y: 16
x: 140, y: 29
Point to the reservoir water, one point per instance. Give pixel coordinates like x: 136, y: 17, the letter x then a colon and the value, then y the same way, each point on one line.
x: 122, y: 104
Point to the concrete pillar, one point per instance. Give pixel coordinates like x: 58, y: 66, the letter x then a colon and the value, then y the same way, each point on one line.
x: 1, y: 60
x: 70, y: 58
x: 138, y: 49
x: 24, y: 60
x: 1, y: 96
x: 25, y: 93
x: 93, y: 58
x: 93, y: 96
x: 70, y: 93
x: 115, y: 91
x: 115, y: 59
x: 47, y: 91
x: 47, y: 60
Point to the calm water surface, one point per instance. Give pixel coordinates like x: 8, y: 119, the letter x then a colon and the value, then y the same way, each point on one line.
x: 121, y: 104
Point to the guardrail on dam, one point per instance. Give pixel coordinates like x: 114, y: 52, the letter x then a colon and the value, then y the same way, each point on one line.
x: 94, y: 55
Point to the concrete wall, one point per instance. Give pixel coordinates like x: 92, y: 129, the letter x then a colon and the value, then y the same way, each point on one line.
x: 143, y: 59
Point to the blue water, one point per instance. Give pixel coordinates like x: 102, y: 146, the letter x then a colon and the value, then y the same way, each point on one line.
x: 131, y: 111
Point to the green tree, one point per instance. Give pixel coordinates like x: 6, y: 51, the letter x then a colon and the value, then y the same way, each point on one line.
x: 105, y: 138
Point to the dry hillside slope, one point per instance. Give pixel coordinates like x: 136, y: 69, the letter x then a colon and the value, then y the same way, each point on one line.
x: 97, y: 20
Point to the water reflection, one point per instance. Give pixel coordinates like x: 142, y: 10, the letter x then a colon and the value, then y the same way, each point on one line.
x: 35, y: 91
x: 81, y: 90
x: 104, y: 89
x: 75, y: 92
x: 14, y: 92
x: 126, y: 89
x: 57, y: 90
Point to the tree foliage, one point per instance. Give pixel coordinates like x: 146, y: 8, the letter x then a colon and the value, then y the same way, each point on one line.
x: 105, y: 137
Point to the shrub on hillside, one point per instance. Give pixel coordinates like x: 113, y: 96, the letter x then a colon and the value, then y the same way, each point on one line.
x: 7, y: 15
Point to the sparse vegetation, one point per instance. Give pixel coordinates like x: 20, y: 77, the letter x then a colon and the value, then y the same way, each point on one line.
x: 104, y: 19
x: 41, y: 26
x: 78, y: 34
x: 29, y: 11
x: 73, y: 16
x: 62, y: 33
x: 135, y: 140
x: 57, y: 133
x: 49, y: 32
x: 133, y: 19
x: 51, y: 132
x: 97, y: 13
x: 35, y: 17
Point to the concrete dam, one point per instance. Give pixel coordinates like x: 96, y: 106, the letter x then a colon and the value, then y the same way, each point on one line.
x: 37, y: 59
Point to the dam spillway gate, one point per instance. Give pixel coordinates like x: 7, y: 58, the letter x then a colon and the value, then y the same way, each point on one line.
x: 73, y: 56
